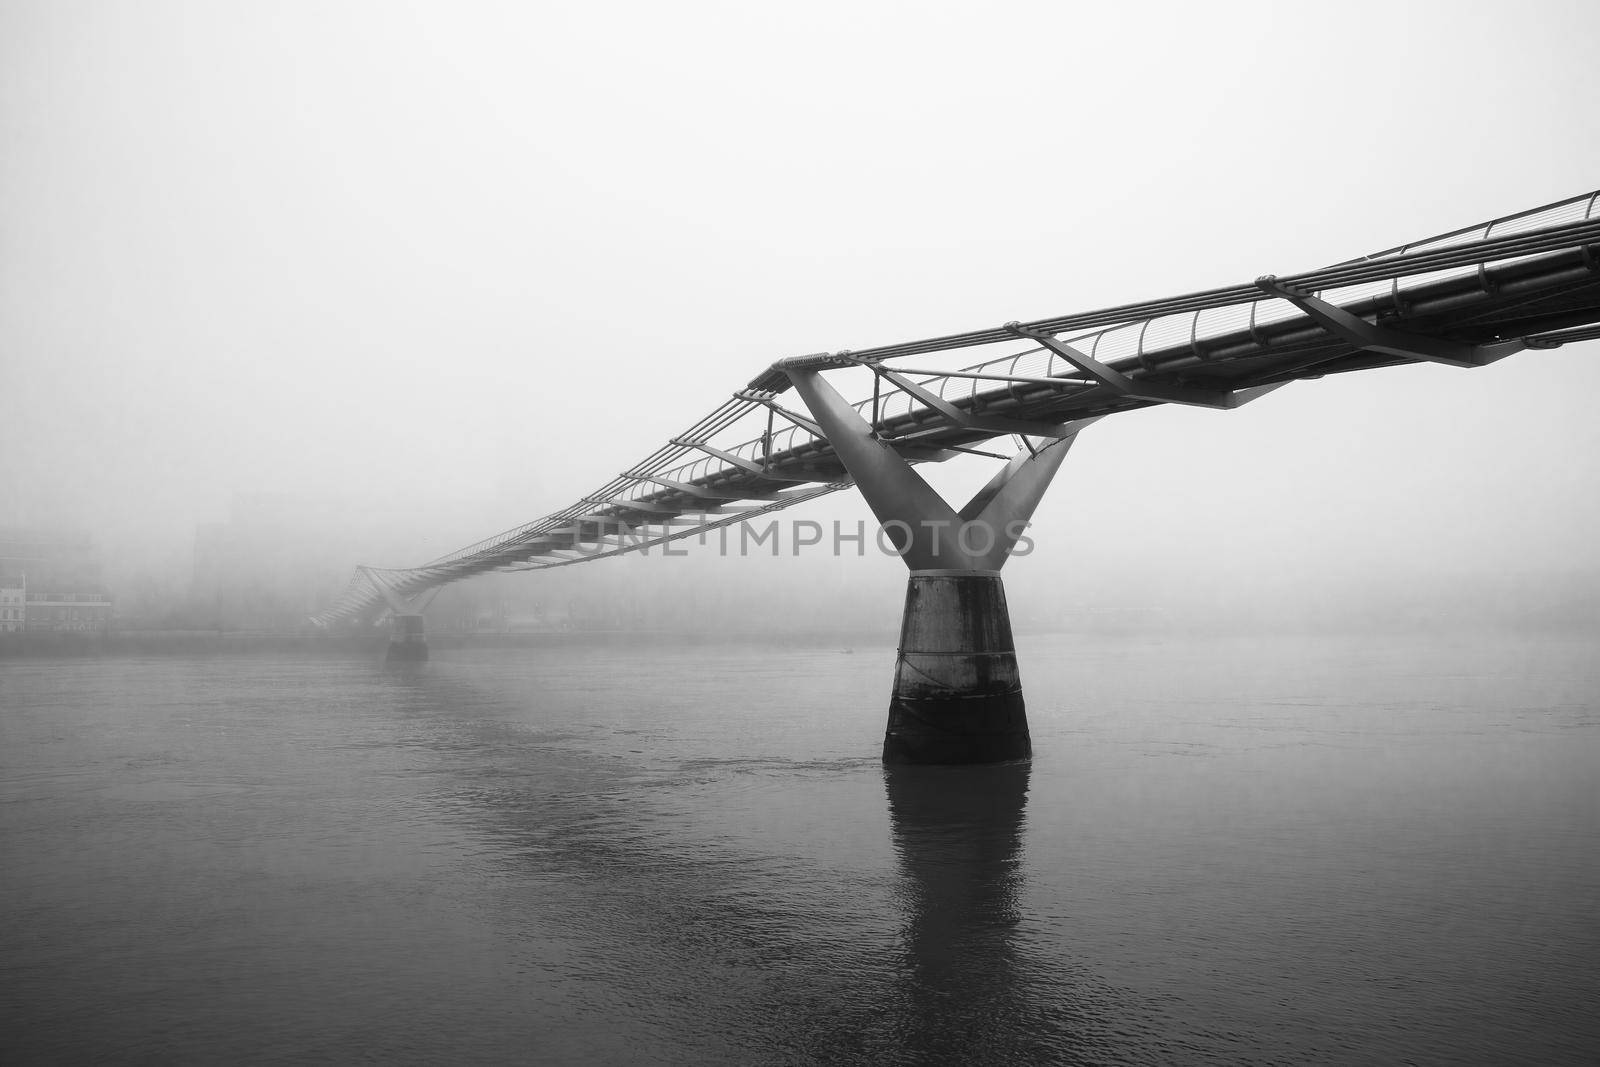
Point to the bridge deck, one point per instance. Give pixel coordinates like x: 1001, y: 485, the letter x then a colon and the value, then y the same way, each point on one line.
x: 1534, y: 277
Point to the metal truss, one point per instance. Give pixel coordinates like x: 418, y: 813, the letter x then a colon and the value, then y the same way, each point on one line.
x: 1465, y: 298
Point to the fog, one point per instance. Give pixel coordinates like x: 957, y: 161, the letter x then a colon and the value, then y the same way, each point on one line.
x: 379, y: 279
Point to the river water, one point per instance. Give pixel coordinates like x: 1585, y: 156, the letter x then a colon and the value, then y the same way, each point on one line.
x: 597, y: 851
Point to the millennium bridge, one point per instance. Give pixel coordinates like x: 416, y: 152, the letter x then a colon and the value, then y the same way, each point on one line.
x: 1463, y: 299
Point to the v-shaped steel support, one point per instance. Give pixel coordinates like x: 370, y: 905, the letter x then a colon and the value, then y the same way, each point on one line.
x: 399, y: 604
x: 930, y: 534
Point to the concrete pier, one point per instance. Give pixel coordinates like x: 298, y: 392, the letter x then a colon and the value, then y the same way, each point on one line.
x: 957, y: 692
x: 408, y: 642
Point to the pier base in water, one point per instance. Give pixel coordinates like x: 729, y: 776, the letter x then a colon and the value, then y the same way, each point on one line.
x: 407, y: 641
x: 957, y: 693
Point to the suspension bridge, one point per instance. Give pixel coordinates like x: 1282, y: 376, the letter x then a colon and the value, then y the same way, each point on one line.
x: 1463, y: 299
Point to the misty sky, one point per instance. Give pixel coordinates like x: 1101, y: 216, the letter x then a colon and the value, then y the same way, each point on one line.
x: 438, y: 268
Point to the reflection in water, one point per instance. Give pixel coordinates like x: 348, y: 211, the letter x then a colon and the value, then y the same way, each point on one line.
x: 677, y: 879
x: 701, y: 903
x: 958, y: 835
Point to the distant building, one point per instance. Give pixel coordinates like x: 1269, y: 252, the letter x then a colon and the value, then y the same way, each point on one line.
x: 13, y: 605
x: 51, y: 580
x: 69, y: 611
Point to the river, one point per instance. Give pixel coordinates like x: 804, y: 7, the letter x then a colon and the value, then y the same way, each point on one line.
x: 1339, y: 850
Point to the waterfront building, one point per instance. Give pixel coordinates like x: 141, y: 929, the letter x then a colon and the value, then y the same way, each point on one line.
x: 51, y: 580
x: 13, y: 604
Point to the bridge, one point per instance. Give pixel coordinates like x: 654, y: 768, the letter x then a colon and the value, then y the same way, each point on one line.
x: 1462, y: 299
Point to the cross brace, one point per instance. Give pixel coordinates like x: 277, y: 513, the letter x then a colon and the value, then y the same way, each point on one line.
x: 1382, y: 339
x: 743, y: 464
x: 966, y: 419
x: 765, y: 399
x: 1141, y: 389
x: 644, y: 507
x: 701, y: 491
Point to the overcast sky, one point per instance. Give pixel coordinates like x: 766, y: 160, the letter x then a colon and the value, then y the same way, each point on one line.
x: 452, y: 264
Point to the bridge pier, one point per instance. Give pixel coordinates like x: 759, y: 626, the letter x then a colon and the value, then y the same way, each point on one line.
x: 957, y: 691
x: 408, y: 642
x: 408, y: 639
